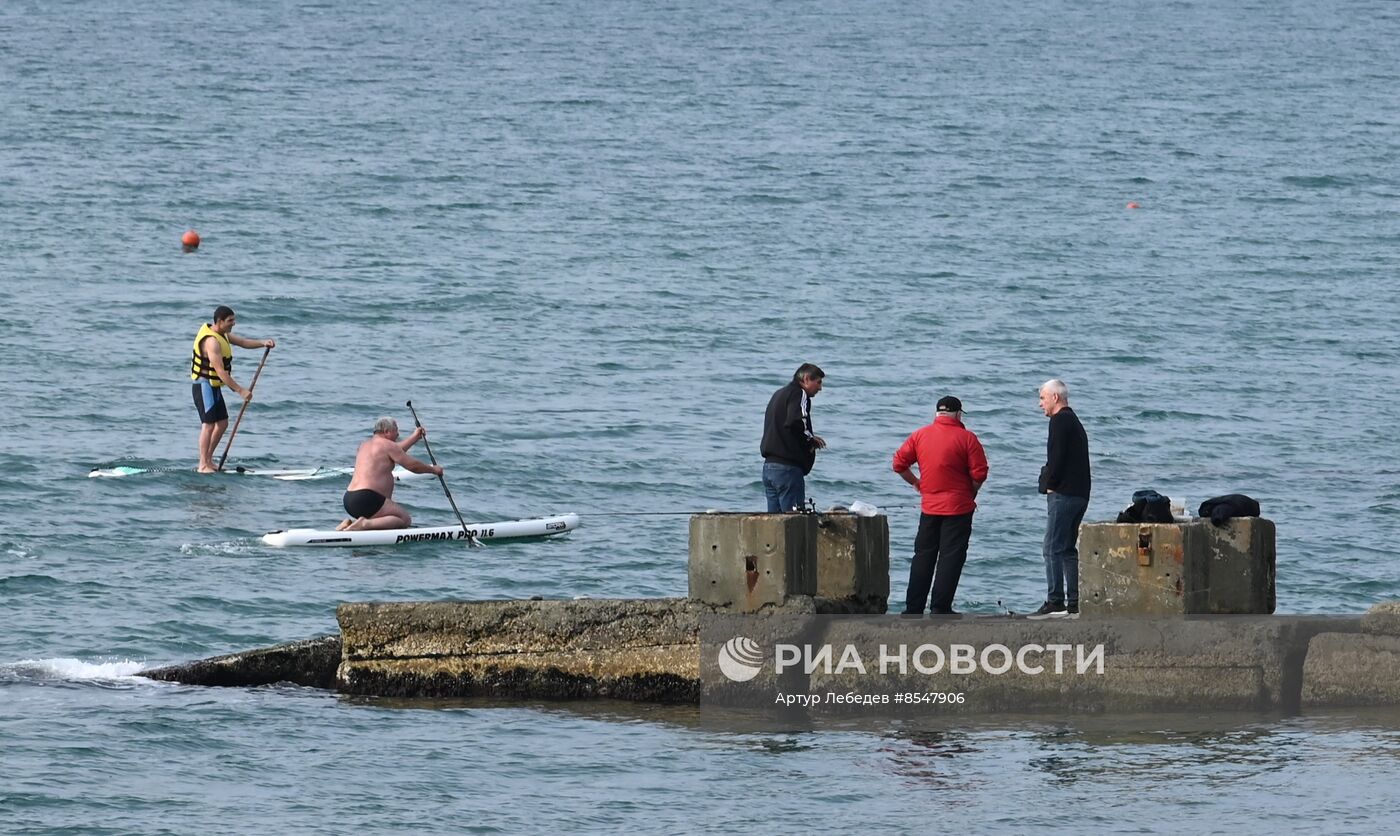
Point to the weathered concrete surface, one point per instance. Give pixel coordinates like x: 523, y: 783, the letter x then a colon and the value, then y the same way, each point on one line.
x: 746, y: 562
x: 1244, y: 566
x: 1149, y: 664
x: 650, y: 651
x: 1354, y: 670
x: 1177, y: 568
x: 312, y: 663
x: 637, y: 650
x: 853, y: 563
x: 1382, y: 619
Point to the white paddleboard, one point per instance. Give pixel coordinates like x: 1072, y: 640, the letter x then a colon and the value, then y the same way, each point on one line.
x: 294, y: 474
x: 536, y: 527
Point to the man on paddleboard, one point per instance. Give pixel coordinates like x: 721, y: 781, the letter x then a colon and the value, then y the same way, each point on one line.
x: 368, y: 499
x: 211, y: 370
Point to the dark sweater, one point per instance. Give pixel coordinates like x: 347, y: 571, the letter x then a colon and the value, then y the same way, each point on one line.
x: 786, y: 435
x: 1066, y: 468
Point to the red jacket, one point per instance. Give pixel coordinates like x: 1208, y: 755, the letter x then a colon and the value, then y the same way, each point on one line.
x: 950, y: 460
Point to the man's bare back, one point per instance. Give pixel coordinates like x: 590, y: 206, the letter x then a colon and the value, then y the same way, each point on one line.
x: 374, y: 465
x: 368, y: 498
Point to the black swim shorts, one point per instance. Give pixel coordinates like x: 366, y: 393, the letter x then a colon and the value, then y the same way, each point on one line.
x: 362, y: 503
x: 209, y: 400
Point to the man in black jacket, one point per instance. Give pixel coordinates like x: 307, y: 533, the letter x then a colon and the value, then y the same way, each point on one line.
x: 789, y: 446
x: 1065, y: 481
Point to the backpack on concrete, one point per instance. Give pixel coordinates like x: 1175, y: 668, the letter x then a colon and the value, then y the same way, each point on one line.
x: 1148, y: 507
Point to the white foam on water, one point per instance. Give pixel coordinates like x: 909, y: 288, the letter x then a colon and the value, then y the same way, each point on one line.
x: 222, y: 547
x: 74, y: 670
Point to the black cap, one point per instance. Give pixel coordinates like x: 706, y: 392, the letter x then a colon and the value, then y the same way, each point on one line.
x: 948, y: 403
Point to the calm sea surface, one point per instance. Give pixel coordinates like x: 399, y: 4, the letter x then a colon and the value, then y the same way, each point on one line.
x: 588, y: 239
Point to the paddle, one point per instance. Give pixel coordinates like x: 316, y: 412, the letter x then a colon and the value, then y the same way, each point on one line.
x: 471, y: 538
x: 243, y: 409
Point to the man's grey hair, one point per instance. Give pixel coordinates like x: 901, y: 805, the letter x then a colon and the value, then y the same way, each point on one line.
x: 1055, y: 386
x: 385, y: 425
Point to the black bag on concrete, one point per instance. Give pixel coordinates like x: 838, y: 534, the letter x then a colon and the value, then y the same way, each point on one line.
x: 1148, y: 507
x: 1222, y: 508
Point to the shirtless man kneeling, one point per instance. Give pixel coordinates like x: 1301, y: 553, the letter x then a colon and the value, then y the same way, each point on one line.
x: 368, y: 499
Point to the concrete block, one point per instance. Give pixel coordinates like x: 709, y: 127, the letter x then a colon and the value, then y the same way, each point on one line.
x: 1241, y: 562
x: 853, y: 562
x: 745, y: 562
x: 1177, y: 568
x: 635, y: 650
x: 1382, y: 619
x: 1127, y: 569
x: 1351, y: 670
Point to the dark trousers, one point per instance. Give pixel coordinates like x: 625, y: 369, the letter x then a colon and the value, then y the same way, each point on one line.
x: 940, y: 550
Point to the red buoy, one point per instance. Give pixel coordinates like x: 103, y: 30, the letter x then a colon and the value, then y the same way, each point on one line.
x: 1130, y: 206
x: 190, y: 238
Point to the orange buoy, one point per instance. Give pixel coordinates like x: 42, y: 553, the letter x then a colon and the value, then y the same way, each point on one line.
x: 1130, y: 206
x: 190, y: 238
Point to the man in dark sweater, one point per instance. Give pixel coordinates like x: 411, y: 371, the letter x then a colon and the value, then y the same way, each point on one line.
x: 789, y: 446
x: 1065, y: 481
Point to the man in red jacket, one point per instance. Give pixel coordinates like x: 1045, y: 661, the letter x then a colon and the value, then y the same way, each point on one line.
x: 951, y: 469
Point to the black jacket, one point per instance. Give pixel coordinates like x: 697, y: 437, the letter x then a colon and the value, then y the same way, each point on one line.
x: 1221, y: 508
x: 1066, y: 468
x: 786, y: 433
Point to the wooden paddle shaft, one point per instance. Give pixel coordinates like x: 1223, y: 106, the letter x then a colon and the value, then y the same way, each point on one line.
x: 243, y: 409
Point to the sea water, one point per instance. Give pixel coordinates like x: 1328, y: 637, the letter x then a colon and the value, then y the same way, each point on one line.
x: 588, y: 240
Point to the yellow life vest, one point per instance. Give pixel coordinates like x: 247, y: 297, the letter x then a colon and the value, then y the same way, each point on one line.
x: 199, y: 364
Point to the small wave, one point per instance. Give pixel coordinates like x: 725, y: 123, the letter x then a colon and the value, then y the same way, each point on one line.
x: 1318, y: 182
x: 569, y: 102
x: 29, y: 583
x: 243, y: 546
x: 767, y: 199
x: 70, y: 670
x: 1176, y: 413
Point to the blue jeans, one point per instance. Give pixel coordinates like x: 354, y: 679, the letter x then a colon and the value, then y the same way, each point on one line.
x: 1063, y: 515
x: 784, y: 486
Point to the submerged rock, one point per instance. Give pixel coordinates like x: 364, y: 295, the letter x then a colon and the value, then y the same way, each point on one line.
x: 312, y: 662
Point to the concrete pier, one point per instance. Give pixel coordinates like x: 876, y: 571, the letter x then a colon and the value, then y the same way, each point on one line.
x: 651, y: 651
x: 768, y: 570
